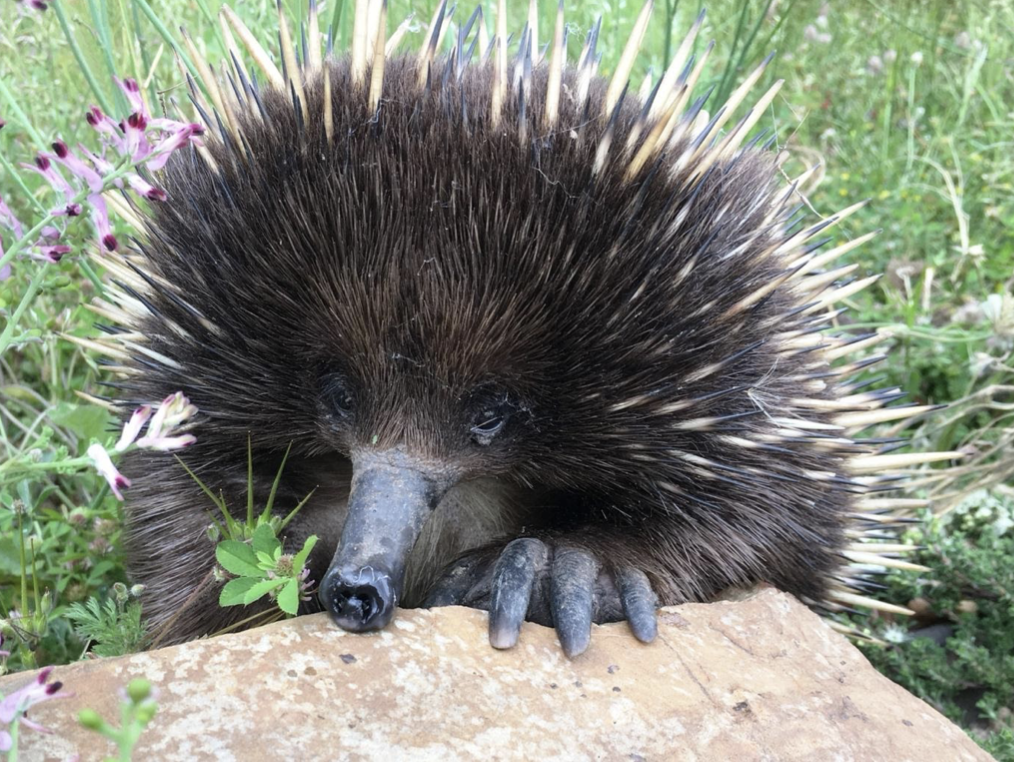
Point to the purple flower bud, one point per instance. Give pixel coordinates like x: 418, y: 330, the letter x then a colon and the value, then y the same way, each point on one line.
x: 51, y: 254
x: 9, y: 221
x: 175, y: 410
x: 104, y: 167
x: 133, y: 427
x: 132, y: 90
x: 77, y: 167
x: 106, y: 126
x: 15, y: 705
x: 104, y: 465
x: 143, y: 188
x: 51, y: 174
x: 100, y: 219
x: 187, y: 134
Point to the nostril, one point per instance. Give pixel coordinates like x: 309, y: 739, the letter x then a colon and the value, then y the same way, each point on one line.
x: 359, y: 600
x: 356, y: 603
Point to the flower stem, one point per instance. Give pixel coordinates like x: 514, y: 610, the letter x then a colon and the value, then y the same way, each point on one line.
x: 33, y: 288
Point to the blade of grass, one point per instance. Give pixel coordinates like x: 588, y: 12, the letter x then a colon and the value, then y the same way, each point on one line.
x: 100, y: 22
x: 274, y: 486
x: 22, y: 118
x: 11, y: 172
x: 725, y: 83
x: 335, y: 27
x: 98, y: 92
x: 249, y: 482
x: 295, y: 510
x: 168, y: 37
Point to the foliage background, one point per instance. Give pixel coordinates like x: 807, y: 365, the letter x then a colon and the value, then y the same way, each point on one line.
x: 908, y: 103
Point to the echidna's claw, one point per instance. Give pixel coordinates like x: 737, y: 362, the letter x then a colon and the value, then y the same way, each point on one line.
x: 513, y: 577
x: 639, y: 602
x: 574, y: 573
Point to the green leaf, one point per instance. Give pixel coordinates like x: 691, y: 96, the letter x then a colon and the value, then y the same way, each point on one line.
x: 264, y: 540
x: 265, y: 561
x: 86, y: 422
x: 299, y: 559
x: 238, y: 558
x: 262, y: 588
x: 10, y: 557
x: 235, y: 591
x: 288, y: 598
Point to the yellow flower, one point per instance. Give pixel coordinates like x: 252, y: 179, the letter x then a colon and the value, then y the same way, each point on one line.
x: 883, y: 194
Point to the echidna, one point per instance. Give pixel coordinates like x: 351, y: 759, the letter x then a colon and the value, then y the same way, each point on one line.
x: 540, y: 346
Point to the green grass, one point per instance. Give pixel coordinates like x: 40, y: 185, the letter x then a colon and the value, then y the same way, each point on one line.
x: 932, y: 145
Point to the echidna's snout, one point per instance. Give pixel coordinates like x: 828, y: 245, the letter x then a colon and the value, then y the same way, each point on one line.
x: 392, y: 496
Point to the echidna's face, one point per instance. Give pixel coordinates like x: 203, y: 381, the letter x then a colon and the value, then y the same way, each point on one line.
x: 428, y: 394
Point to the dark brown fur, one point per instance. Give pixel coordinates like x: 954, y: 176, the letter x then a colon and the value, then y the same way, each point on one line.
x: 434, y: 262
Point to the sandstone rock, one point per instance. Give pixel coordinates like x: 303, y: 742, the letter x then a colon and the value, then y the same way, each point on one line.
x: 757, y: 679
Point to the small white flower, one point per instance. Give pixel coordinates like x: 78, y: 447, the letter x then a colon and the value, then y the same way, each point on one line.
x: 890, y: 56
x: 104, y: 465
x: 917, y: 58
x: 174, y: 410
x: 895, y: 634
x: 981, y: 363
x: 133, y: 428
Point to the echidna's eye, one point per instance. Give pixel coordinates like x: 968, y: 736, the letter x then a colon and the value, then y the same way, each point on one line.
x: 337, y: 396
x: 488, y: 423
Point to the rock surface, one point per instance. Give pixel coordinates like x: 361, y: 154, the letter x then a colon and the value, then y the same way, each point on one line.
x: 758, y: 679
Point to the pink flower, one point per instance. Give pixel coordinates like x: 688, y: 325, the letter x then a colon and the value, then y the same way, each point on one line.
x: 57, y: 182
x: 51, y: 254
x: 100, y: 163
x: 15, y: 706
x: 132, y: 90
x: 174, y: 410
x: 138, y: 139
x: 77, y: 167
x: 142, y: 187
x: 105, y: 466
x: 133, y: 428
x: 136, y: 144
x: 100, y: 219
x: 107, y: 127
x: 187, y: 133
x: 8, y: 220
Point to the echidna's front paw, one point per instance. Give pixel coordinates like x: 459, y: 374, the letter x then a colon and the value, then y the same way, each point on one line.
x: 558, y: 585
